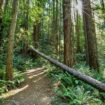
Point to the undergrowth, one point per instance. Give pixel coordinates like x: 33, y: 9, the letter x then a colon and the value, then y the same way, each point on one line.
x: 5, y: 85
x: 21, y: 64
x: 68, y: 90
x: 71, y: 91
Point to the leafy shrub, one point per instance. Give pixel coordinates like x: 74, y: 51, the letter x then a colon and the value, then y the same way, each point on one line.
x: 7, y: 85
x: 19, y: 78
x: 19, y: 63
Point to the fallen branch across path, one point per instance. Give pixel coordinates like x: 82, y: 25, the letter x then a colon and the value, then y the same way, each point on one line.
x: 87, y: 79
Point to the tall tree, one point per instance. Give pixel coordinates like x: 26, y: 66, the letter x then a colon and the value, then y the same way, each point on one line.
x: 57, y: 27
x: 54, y: 23
x: 36, y: 33
x: 90, y: 35
x: 1, y: 19
x: 9, y: 66
x: 26, y: 26
x: 78, y: 29
x: 68, y: 33
x: 37, y: 25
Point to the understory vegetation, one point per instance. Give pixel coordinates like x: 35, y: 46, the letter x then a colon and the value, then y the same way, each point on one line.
x: 71, y: 91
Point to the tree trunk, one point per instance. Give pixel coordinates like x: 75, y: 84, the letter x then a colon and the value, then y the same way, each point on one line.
x: 53, y: 36
x: 90, y: 35
x: 85, y: 78
x: 36, y: 34
x: 9, y: 66
x: 78, y: 48
x: 68, y: 33
x: 57, y: 28
x: 25, y: 49
x: 1, y: 19
x: 37, y: 28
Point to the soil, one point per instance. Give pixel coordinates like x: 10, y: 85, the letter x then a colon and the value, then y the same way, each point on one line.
x: 35, y: 91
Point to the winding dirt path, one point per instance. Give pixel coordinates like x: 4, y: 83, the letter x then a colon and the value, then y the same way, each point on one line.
x: 35, y: 91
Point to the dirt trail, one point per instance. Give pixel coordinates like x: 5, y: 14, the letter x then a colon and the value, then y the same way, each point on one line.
x: 35, y: 91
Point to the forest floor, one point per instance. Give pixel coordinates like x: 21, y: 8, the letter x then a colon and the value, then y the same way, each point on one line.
x: 35, y: 91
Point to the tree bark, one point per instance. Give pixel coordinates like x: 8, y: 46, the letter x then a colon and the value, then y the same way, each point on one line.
x: 9, y: 66
x: 78, y: 29
x: 1, y: 19
x: 90, y: 35
x: 68, y: 34
x: 26, y: 26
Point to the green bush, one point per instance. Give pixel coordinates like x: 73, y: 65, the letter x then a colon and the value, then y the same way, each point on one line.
x: 7, y: 85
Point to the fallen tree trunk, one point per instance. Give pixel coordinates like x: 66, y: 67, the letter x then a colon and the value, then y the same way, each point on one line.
x: 87, y: 79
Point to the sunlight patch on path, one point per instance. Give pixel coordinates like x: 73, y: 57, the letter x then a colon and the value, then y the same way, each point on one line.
x: 13, y: 92
x: 29, y: 72
x: 39, y: 79
x: 30, y: 77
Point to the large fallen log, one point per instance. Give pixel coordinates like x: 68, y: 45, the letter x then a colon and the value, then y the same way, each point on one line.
x: 87, y: 79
